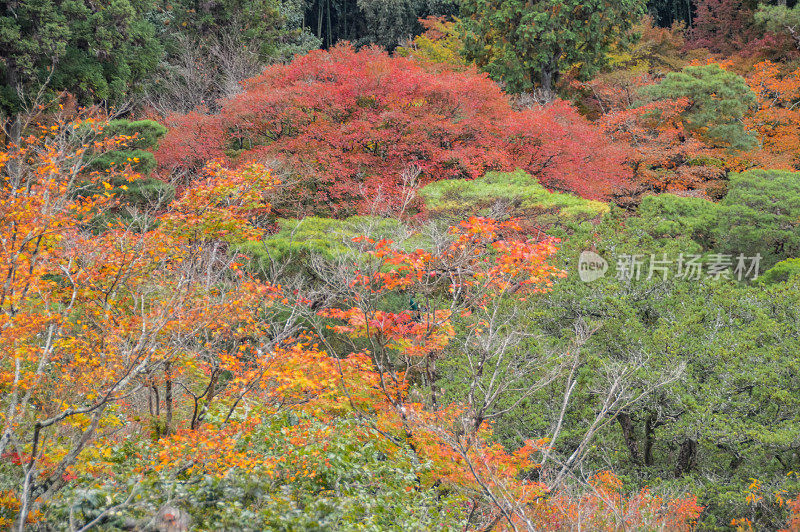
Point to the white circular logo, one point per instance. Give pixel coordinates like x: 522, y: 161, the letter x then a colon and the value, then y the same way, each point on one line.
x: 591, y: 266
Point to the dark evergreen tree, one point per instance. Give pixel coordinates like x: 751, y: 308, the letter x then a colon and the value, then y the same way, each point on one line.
x: 529, y: 44
x: 97, y: 51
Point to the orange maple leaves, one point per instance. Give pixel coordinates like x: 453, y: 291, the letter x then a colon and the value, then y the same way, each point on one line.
x: 776, y: 119
x: 94, y: 319
x: 605, y: 507
x: 476, y: 257
x: 87, y: 315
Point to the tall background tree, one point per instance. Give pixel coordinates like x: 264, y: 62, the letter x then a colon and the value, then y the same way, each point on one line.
x: 383, y: 22
x: 529, y: 45
x: 668, y: 12
x: 97, y: 51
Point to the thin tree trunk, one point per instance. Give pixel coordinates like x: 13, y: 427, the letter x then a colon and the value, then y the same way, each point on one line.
x: 648, y: 441
x: 168, y: 398
x: 157, y: 401
x: 330, y: 30
x: 689, y: 12
x: 319, y: 19
x: 344, y: 16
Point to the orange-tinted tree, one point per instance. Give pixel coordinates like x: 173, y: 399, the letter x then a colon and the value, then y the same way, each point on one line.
x: 665, y: 156
x: 775, y: 120
x: 88, y: 318
x: 460, y: 286
x: 144, y: 357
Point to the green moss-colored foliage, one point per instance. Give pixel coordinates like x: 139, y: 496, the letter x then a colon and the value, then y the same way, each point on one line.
x: 326, y: 236
x: 145, y: 133
x: 735, y: 406
x: 781, y: 272
x: 142, y: 161
x: 145, y: 192
x: 719, y: 100
x: 499, y: 195
x: 139, y: 195
x: 296, y: 241
x: 670, y: 216
x: 761, y: 214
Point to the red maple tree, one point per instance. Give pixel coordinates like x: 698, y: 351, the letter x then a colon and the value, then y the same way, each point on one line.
x: 346, y: 124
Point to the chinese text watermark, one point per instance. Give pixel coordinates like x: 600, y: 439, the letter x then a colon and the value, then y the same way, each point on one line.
x: 634, y: 267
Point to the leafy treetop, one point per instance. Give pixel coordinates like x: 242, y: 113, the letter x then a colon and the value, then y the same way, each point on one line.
x: 349, y: 126
x: 529, y: 44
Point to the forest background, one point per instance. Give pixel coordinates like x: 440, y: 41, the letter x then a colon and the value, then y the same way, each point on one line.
x: 315, y: 265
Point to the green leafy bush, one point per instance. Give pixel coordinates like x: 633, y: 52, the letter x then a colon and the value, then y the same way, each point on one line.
x: 500, y: 194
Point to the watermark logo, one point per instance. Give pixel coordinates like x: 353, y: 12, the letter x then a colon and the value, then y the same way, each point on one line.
x: 591, y: 266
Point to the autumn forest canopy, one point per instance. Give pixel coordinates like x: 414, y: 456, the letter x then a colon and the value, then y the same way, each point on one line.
x: 400, y: 265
